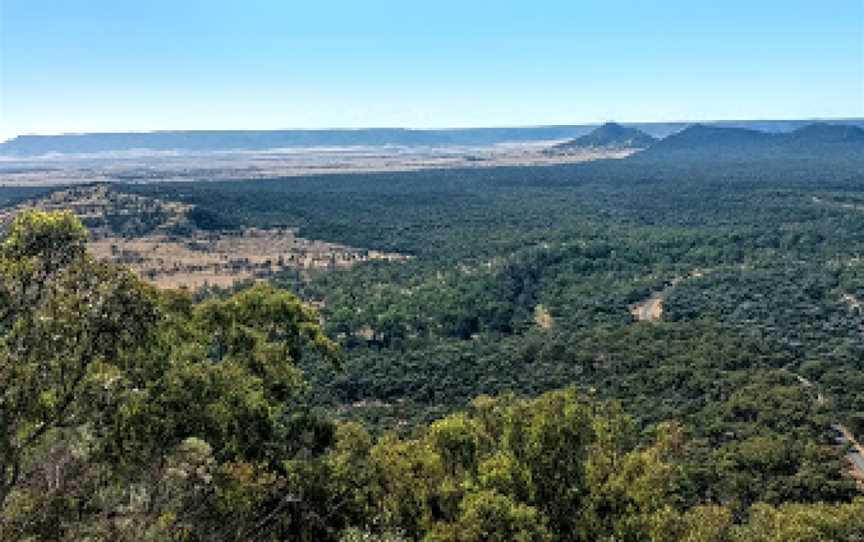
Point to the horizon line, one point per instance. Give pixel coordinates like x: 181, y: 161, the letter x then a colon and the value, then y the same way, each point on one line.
x: 431, y: 128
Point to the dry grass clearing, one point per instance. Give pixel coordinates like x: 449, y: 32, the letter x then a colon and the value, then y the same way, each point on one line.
x: 225, y: 258
x: 156, y: 240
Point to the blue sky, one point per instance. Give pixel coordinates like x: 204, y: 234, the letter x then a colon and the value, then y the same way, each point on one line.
x: 100, y: 65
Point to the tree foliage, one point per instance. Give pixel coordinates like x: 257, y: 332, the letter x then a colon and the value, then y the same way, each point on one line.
x: 117, y: 399
x: 504, y: 389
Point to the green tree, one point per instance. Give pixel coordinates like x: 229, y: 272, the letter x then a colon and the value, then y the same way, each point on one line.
x: 486, y: 516
x: 130, y: 413
x: 803, y: 523
x: 69, y: 327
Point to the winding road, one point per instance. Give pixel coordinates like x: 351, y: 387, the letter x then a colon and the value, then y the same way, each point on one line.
x: 856, y: 455
x: 844, y: 437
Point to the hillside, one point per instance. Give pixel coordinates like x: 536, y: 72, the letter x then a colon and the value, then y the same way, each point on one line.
x: 703, y: 142
x: 828, y: 133
x: 174, y: 245
x: 608, y: 136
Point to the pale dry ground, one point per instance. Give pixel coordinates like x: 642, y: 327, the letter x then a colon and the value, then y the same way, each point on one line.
x: 542, y: 317
x: 651, y: 309
x: 225, y: 258
x: 137, y: 166
x: 172, y: 253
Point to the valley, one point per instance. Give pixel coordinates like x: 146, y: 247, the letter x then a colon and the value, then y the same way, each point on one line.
x: 694, y: 291
x: 431, y: 271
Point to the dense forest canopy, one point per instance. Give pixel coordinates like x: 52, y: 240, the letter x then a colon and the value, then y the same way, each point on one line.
x: 495, y: 386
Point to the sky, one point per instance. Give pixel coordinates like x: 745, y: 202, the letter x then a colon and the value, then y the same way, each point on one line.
x: 118, y: 65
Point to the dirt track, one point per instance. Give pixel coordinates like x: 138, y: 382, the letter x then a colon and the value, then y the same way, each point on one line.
x: 650, y: 310
x: 856, y: 457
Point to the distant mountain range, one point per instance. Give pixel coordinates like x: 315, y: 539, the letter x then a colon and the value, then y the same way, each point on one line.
x: 214, y: 141
x: 701, y: 141
x: 608, y: 136
x: 712, y: 142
